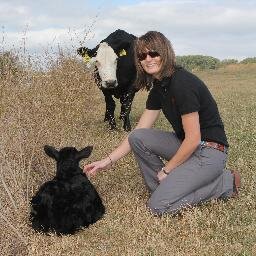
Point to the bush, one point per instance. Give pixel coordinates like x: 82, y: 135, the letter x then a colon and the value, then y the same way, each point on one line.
x: 228, y: 62
x: 198, y: 62
x: 248, y: 60
x: 9, y: 64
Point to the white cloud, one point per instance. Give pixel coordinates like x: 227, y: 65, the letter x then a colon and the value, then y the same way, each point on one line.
x: 194, y: 27
x: 7, y: 9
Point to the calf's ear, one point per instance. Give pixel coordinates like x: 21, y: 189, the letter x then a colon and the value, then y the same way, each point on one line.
x: 84, y: 153
x: 51, y: 152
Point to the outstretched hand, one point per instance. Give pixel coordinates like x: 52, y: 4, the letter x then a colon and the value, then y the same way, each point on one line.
x: 92, y: 168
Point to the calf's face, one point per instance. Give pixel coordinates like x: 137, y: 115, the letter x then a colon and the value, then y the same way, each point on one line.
x: 106, y: 63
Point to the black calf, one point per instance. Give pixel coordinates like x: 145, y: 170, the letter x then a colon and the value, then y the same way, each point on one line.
x: 69, y: 201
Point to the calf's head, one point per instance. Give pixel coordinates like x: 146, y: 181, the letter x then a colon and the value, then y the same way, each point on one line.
x: 104, y: 59
x: 67, y: 159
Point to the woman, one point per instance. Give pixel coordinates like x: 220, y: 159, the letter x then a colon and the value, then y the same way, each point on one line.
x: 195, y: 153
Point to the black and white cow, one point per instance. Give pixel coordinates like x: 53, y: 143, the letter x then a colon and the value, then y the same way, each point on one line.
x: 114, y: 70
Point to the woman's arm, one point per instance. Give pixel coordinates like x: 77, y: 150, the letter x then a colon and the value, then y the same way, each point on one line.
x: 192, y: 139
x: 147, y: 120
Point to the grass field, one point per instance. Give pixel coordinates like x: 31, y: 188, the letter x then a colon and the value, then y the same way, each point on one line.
x: 63, y: 107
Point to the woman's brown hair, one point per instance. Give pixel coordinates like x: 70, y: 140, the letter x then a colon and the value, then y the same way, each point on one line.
x: 156, y: 41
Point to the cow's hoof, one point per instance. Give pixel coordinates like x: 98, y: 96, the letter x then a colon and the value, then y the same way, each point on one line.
x: 127, y: 128
x: 122, y: 117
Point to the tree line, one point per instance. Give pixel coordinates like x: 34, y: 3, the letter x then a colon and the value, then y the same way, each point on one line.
x: 201, y: 62
x: 10, y: 63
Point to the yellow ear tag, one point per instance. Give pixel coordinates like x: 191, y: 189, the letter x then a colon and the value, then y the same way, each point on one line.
x: 122, y: 52
x: 86, y: 58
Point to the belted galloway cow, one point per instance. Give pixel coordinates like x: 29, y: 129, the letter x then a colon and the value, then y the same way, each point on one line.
x: 112, y: 61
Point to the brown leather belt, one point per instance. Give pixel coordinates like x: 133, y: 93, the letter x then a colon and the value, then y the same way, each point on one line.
x: 215, y: 145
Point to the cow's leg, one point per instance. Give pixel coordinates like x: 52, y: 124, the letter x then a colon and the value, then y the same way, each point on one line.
x: 110, y: 110
x: 123, y: 109
x: 126, y: 103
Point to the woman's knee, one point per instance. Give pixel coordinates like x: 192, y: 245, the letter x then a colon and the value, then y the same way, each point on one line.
x: 136, y: 135
x: 159, y: 206
x: 160, y: 210
x: 156, y: 208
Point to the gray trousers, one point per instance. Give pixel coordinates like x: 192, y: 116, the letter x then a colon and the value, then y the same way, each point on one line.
x: 199, y: 179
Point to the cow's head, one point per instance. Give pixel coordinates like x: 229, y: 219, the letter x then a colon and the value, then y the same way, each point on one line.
x: 104, y: 59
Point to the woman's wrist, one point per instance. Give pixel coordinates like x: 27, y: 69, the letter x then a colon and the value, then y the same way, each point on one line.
x: 164, y: 171
x: 110, y: 159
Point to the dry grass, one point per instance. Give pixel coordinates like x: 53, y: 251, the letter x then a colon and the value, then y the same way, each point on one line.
x: 64, y: 107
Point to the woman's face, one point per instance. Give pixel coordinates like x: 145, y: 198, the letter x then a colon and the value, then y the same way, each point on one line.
x: 151, y: 62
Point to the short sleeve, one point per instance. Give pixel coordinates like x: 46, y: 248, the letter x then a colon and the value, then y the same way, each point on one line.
x: 154, y: 100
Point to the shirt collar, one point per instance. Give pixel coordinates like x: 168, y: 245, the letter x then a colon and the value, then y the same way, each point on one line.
x: 163, y: 83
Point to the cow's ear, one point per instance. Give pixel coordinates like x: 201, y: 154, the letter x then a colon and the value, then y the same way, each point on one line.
x: 124, y: 45
x: 83, y: 51
x: 91, y: 52
x: 84, y: 153
x: 51, y: 152
x: 121, y: 48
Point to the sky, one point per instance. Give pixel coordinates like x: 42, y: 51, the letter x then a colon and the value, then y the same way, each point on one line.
x: 225, y: 29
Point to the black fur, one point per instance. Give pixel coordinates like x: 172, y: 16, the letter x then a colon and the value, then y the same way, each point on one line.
x: 69, y: 201
x: 126, y: 74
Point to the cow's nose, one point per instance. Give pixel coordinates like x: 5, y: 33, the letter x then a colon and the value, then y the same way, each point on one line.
x: 111, y: 83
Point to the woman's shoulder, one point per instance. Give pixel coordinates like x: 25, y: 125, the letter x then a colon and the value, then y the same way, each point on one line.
x: 179, y: 71
x: 184, y: 76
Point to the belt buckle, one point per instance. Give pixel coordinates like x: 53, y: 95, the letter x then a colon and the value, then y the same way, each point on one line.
x: 202, y: 143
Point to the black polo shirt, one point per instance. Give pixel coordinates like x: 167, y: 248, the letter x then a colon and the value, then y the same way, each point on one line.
x: 185, y: 93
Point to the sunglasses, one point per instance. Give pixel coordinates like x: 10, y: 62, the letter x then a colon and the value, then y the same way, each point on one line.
x: 142, y: 56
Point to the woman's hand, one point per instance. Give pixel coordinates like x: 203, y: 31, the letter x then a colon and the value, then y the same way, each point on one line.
x: 161, y: 175
x: 92, y: 168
